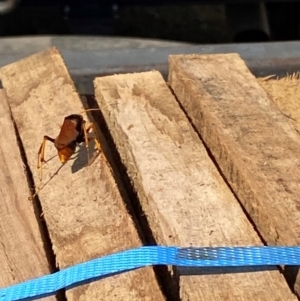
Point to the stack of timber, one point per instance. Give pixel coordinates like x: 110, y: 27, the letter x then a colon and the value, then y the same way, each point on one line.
x: 208, y: 159
x: 82, y: 206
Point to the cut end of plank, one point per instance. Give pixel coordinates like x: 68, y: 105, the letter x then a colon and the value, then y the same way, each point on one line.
x: 189, y: 60
x: 20, y: 86
x: 225, y: 61
x: 153, y: 91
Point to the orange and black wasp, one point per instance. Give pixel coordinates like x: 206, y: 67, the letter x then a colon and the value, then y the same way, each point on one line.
x: 73, y: 131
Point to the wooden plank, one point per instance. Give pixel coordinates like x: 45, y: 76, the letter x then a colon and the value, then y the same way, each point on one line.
x: 82, y: 206
x: 255, y: 146
x: 185, y: 199
x: 22, y: 253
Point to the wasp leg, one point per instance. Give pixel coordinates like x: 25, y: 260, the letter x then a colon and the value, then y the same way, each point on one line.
x: 98, y: 145
x: 41, y: 154
x: 86, y: 140
x: 92, y: 126
x: 86, y: 129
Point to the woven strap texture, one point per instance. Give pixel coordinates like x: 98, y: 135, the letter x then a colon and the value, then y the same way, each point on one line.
x: 146, y: 256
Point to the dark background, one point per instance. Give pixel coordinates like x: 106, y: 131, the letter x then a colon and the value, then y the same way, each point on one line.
x: 187, y: 21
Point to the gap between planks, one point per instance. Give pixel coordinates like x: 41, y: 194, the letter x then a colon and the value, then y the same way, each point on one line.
x: 185, y: 199
x: 84, y: 212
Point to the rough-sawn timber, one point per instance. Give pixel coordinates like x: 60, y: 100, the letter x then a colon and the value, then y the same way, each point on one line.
x: 184, y: 198
x: 255, y: 146
x: 22, y: 253
x: 85, y: 214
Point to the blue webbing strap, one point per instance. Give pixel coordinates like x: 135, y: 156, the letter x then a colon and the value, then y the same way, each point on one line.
x: 153, y: 255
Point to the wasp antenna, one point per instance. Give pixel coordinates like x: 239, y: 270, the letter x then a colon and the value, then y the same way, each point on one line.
x: 87, y: 110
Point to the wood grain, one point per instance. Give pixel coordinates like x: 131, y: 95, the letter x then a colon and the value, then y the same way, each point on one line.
x: 255, y: 146
x: 185, y: 199
x: 82, y: 206
x: 22, y: 254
